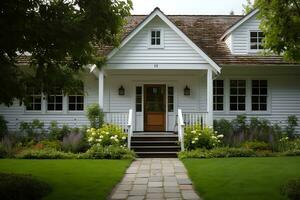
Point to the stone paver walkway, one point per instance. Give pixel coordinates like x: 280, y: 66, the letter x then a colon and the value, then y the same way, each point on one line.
x: 155, y: 178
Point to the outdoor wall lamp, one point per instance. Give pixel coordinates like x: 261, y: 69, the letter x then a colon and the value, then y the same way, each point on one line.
x: 187, y: 91
x: 121, y: 91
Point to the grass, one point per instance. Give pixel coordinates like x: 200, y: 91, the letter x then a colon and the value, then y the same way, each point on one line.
x: 72, y: 179
x: 242, y: 178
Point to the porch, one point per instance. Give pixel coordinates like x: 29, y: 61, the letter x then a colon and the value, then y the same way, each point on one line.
x: 147, y: 101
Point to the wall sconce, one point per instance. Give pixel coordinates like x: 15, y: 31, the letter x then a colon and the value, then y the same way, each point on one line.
x: 187, y: 91
x: 121, y: 91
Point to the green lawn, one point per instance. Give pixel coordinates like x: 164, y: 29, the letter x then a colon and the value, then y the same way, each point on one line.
x: 242, y: 178
x: 72, y: 179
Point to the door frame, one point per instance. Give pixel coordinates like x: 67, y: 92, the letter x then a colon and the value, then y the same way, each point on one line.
x: 165, y: 101
x: 169, y: 83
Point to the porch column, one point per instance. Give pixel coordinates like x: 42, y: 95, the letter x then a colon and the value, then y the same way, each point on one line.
x: 209, y: 98
x: 101, y: 88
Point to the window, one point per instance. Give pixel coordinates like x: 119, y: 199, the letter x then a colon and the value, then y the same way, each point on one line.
x: 55, y: 100
x: 256, y: 38
x: 156, y: 38
x: 218, y: 94
x: 138, y: 98
x: 76, y: 101
x: 259, y: 95
x: 170, y: 99
x: 237, y: 95
x: 34, y: 99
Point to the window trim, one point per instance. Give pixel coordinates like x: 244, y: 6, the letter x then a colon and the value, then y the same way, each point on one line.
x: 237, y: 95
x: 167, y: 97
x: 35, y: 111
x: 63, y: 103
x: 249, y: 42
x: 161, y: 46
x: 224, y: 96
x: 68, y: 103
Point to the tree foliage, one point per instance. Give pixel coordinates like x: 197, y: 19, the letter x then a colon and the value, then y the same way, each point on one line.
x: 60, y: 35
x: 248, y: 7
x: 281, y: 26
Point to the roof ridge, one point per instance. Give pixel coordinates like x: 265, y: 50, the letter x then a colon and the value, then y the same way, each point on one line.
x: 194, y: 15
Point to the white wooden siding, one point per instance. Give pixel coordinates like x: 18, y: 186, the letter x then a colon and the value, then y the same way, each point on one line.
x: 283, y: 97
x: 175, y: 50
x: 16, y: 114
x: 238, y: 40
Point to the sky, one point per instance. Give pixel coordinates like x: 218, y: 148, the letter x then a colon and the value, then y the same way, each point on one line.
x: 200, y: 7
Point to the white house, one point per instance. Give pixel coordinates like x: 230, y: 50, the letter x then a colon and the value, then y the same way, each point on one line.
x: 208, y: 67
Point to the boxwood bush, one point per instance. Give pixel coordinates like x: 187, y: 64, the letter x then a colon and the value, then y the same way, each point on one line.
x: 22, y: 187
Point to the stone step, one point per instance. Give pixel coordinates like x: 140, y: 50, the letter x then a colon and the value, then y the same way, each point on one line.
x: 154, y: 143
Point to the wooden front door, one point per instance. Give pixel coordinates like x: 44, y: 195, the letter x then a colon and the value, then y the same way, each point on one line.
x: 154, y: 107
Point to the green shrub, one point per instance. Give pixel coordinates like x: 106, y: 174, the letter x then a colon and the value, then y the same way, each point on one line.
x: 50, y: 144
x: 3, y: 153
x: 217, y: 153
x: 22, y: 187
x: 45, y: 154
x: 291, y: 189
x: 3, y: 127
x: 292, y: 123
x: 110, y: 152
x: 106, y: 136
x: 74, y: 142
x: 33, y: 130
x: 225, y: 127
x: 196, y: 137
x: 295, y: 152
x: 57, y: 133
x: 256, y: 145
x: 95, y: 116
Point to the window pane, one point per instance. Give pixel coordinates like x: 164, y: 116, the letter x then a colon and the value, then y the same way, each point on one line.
x: 253, y: 34
x: 233, y: 106
x: 233, y: 83
x: 138, y: 90
x: 152, y: 41
x: 255, y: 106
x: 255, y: 99
x: 80, y: 106
x: 138, y: 108
x: 37, y: 106
x: 219, y: 99
x: 58, y: 107
x: 50, y: 106
x: 263, y: 91
x: 219, y: 106
x: 170, y: 90
x: 241, y: 83
x: 157, y: 41
x: 263, y: 99
x: 157, y: 33
x: 242, y: 106
x: 59, y: 99
x: 233, y: 99
x: 242, y: 91
x: 255, y: 83
x: 72, y: 99
x: 263, y: 106
x: 264, y: 83
x: 255, y: 91
x: 253, y: 46
x: 233, y: 90
x: 152, y: 34
x: 72, y: 106
x: 220, y: 91
x: 241, y: 99
x: 170, y: 108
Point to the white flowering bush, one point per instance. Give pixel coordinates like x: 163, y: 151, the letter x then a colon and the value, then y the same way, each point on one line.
x: 106, y: 136
x: 196, y: 137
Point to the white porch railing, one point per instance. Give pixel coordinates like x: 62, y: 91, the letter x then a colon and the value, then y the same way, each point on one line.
x: 195, y: 118
x: 189, y: 119
x: 121, y: 119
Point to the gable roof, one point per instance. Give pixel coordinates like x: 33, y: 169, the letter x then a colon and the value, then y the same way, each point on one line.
x: 239, y: 23
x: 205, y: 31
x: 157, y: 12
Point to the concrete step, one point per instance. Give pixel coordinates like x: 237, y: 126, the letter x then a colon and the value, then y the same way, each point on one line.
x: 152, y: 154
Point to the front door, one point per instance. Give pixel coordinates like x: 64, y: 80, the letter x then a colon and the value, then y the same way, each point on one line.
x: 154, y: 107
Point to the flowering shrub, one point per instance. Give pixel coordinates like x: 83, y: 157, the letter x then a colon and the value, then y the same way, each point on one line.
x: 106, y: 136
x: 196, y: 137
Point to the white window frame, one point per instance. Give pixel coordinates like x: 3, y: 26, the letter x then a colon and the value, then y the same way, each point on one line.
x: 76, y: 102
x: 268, y: 97
x: 224, y: 93
x: 150, y: 46
x: 63, y: 104
x: 35, y: 111
x: 249, y: 42
x: 237, y: 95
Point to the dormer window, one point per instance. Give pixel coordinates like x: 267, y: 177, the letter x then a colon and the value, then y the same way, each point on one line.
x: 256, y: 38
x: 156, y: 38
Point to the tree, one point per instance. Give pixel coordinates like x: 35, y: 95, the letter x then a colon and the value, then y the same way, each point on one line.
x: 248, y: 7
x: 231, y: 12
x: 60, y: 35
x: 280, y: 22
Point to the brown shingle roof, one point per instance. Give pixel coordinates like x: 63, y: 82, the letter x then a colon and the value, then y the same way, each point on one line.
x: 205, y: 31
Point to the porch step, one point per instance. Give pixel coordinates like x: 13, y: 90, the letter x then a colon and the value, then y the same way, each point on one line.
x: 155, y: 144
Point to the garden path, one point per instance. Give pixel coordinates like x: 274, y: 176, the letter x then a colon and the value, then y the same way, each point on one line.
x: 155, y: 178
